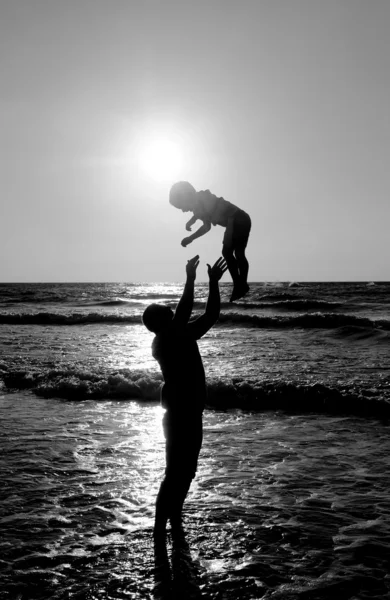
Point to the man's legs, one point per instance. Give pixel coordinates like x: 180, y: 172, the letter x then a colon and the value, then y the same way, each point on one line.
x: 183, y: 443
x: 170, y: 499
x: 182, y: 485
x: 162, y: 508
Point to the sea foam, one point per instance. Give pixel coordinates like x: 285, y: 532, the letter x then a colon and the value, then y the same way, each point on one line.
x: 223, y: 392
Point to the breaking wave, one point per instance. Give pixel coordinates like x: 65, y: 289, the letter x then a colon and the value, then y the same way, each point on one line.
x: 304, y: 321
x: 48, y: 318
x: 223, y: 393
x: 111, y: 302
x: 315, y: 320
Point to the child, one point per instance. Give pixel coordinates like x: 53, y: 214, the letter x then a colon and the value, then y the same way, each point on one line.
x: 183, y: 394
x: 217, y: 211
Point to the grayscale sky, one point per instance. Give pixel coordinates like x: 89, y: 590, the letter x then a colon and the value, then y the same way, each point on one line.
x: 280, y: 106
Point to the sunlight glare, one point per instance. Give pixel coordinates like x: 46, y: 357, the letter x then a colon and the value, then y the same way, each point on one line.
x: 160, y: 159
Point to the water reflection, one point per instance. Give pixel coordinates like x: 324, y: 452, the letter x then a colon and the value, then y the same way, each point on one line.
x: 282, y: 505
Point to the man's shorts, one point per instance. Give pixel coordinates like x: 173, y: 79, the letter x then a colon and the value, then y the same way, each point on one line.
x: 183, y: 441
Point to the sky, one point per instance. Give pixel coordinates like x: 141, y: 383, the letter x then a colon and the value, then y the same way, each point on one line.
x: 279, y: 106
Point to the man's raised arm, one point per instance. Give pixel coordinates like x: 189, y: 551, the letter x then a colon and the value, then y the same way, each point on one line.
x: 201, y: 325
x: 184, y: 308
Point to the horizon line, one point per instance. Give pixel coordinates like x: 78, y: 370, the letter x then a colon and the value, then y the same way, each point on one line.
x: 286, y: 281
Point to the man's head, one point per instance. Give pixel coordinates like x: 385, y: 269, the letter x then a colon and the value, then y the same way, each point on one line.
x: 182, y: 195
x: 156, y: 317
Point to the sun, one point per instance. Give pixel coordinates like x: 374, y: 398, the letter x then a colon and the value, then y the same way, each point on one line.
x: 160, y: 158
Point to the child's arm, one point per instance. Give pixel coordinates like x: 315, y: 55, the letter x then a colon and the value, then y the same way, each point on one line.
x: 191, y: 222
x: 198, y: 233
x: 201, y: 325
x: 184, y: 308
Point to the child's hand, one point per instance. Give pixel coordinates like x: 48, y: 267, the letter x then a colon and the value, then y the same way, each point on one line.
x: 186, y: 241
x: 188, y: 227
x: 191, y: 267
x: 217, y: 270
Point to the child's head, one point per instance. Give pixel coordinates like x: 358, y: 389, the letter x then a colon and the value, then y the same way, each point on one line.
x: 156, y: 317
x: 182, y: 195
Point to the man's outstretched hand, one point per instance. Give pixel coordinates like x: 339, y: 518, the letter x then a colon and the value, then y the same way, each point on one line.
x: 191, y: 267
x: 217, y: 270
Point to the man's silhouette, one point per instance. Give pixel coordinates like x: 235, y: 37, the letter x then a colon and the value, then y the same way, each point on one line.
x: 183, y: 394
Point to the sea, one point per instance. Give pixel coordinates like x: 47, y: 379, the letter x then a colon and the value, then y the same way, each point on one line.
x: 292, y: 495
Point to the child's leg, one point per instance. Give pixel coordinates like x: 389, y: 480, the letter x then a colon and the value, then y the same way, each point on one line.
x: 243, y: 265
x: 231, y: 262
x: 242, y: 227
x: 241, y: 288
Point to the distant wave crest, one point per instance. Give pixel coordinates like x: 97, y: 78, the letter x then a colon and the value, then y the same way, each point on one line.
x: 288, y: 304
x: 315, y: 320
x: 127, y: 384
x: 111, y: 302
x: 48, y: 318
x: 305, y: 321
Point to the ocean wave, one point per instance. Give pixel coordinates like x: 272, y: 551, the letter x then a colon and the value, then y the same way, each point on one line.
x: 48, y: 318
x: 223, y: 393
x: 278, y: 296
x: 158, y: 295
x: 288, y: 304
x: 303, y: 321
x: 355, y: 332
x: 110, y: 302
x: 35, y: 299
x: 31, y: 298
x: 315, y: 320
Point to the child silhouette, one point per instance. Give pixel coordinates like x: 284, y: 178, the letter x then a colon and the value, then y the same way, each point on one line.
x: 212, y: 210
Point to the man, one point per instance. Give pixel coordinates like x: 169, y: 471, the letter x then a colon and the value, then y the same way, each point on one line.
x: 183, y: 394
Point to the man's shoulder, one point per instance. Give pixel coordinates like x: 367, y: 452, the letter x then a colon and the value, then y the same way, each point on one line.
x: 161, y: 335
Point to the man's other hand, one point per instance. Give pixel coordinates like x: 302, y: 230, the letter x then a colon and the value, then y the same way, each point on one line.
x: 217, y: 270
